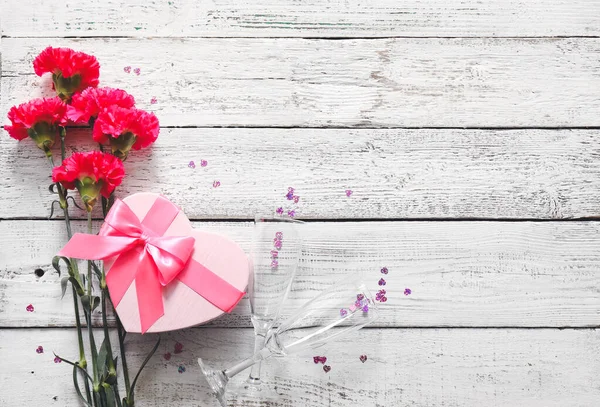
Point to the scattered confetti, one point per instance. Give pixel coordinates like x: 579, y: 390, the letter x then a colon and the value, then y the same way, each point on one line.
x: 153, y: 101
x: 277, y: 244
x: 352, y: 308
x: 291, y: 213
x: 407, y: 291
x: 363, y: 358
x: 30, y: 308
x: 181, y: 369
x: 381, y: 281
x: 380, y: 296
x: 216, y: 184
x: 57, y: 360
x: 167, y: 356
x: 343, y: 312
x: 383, y: 299
x: 203, y: 163
x: 127, y: 69
x: 178, y: 347
x: 274, y: 254
x: 192, y: 164
x: 360, y: 297
x: 326, y: 368
x: 274, y: 264
x: 296, y: 199
x: 40, y: 349
x: 279, y: 211
x: 384, y: 270
x: 279, y: 235
x: 290, y: 194
x: 137, y: 71
x: 319, y: 359
x: 348, y: 192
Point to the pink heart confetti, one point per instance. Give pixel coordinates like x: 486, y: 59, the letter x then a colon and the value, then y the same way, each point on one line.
x: 279, y: 211
x: 363, y: 358
x: 326, y: 368
x: 296, y: 198
x: 127, y: 69
x: 277, y: 244
x: 360, y: 297
x: 57, y: 360
x: 216, y: 184
x: 274, y: 254
x: 319, y: 359
x: 178, y: 348
x: 40, y: 349
x: 274, y: 264
x: 348, y: 193
x: 203, y: 163
x: 384, y: 270
x: 291, y: 214
x: 407, y: 291
x: 383, y: 299
x: 30, y: 308
x: 137, y: 71
x: 153, y: 101
x: 279, y: 235
x: 167, y: 356
x: 192, y: 164
x: 352, y: 308
x: 381, y: 281
x: 343, y: 313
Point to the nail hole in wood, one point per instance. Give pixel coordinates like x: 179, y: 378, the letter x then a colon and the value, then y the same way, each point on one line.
x: 39, y: 272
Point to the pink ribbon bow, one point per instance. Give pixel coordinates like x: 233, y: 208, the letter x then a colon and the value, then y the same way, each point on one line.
x: 150, y: 259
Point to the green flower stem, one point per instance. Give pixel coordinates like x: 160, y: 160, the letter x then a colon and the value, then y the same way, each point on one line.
x: 65, y: 207
x: 88, y: 313
x: 112, y: 371
x: 121, y: 333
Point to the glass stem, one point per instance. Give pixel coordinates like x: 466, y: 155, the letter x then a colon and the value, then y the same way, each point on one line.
x: 259, y: 344
x: 262, y: 354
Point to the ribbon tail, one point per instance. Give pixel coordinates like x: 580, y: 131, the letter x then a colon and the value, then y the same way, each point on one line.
x: 149, y: 293
x: 210, y: 286
x: 122, y: 273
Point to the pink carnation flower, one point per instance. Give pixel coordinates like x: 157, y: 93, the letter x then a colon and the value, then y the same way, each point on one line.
x: 91, y: 101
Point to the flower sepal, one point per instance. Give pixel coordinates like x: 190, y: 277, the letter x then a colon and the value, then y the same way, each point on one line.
x: 89, y: 190
x: 120, y: 146
x: 66, y: 87
x: 44, y: 135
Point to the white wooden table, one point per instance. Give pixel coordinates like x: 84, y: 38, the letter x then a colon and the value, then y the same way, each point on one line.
x: 468, y: 131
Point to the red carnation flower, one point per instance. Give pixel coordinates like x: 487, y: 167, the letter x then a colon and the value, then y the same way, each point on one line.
x: 38, y: 119
x: 92, y: 173
x: 72, y: 71
x: 125, y: 129
x: 91, y: 101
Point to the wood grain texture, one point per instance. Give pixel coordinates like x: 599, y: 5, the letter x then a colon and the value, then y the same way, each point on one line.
x: 462, y: 274
x: 416, y: 367
x: 544, y: 174
x: 309, y: 18
x: 432, y: 82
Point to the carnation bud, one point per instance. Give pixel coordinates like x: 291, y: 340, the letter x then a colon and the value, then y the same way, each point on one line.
x: 89, y: 190
x: 66, y: 87
x: 43, y: 134
x: 121, y: 145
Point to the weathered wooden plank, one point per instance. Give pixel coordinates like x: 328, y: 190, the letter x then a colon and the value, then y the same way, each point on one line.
x: 309, y: 18
x: 432, y: 82
x: 550, y: 174
x: 416, y: 367
x: 522, y: 274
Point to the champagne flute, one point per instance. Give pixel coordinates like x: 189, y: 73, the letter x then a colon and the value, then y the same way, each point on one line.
x: 332, y: 314
x: 276, y: 249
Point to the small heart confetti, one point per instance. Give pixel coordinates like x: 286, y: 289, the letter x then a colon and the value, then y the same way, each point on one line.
x: 167, y: 356
x: 290, y: 194
x: 30, y: 308
x: 343, y: 313
x: 178, y: 348
x: 319, y: 359
x: 291, y: 214
x: 181, y: 369
x: 274, y: 254
x: 216, y: 184
x: 137, y: 71
x: 365, y: 308
x: 348, y: 193
x: 192, y: 164
x: 326, y: 368
x: 57, y: 360
x: 383, y: 299
x: 384, y: 270
x: 352, y: 308
x: 360, y: 297
x: 40, y: 349
x: 203, y: 163
x: 381, y: 281
x: 279, y: 235
x: 296, y: 198
x: 363, y: 358
x: 153, y: 101
x: 274, y: 264
x: 407, y: 291
x: 277, y: 244
x: 127, y: 69
x: 279, y: 211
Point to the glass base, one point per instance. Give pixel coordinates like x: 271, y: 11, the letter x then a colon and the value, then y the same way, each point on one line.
x: 250, y: 393
x: 216, y: 380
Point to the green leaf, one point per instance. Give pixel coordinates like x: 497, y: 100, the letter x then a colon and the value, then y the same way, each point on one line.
x: 63, y: 286
x: 97, y: 270
x: 132, y: 390
x: 90, y: 303
x: 102, y: 362
x: 56, y: 264
x: 110, y: 396
x: 76, y: 383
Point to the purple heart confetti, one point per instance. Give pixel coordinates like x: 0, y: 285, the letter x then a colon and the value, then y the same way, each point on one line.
x: 30, y: 308
x: 40, y: 349
x: 407, y: 291
x: 363, y: 358
x: 384, y: 270
x: 178, y: 348
x: 127, y: 69
x: 326, y: 368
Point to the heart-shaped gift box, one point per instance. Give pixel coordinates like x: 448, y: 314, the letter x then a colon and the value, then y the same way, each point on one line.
x: 187, y: 276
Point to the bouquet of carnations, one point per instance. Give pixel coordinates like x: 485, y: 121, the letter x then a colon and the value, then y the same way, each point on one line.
x: 118, y: 127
